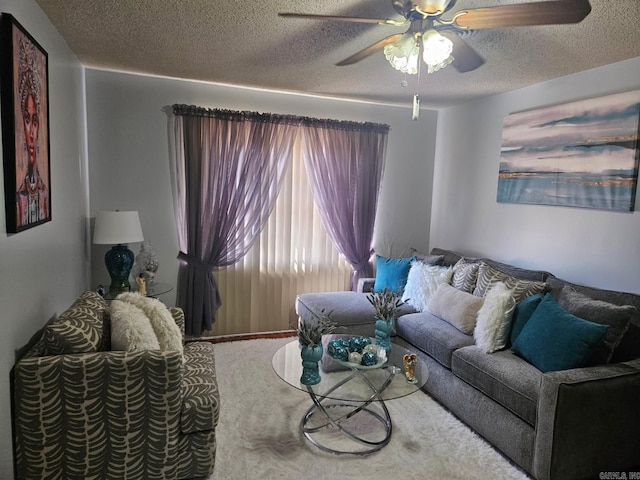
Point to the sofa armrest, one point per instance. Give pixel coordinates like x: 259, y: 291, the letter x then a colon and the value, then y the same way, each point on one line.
x: 365, y: 285
x: 178, y: 315
x: 588, y: 421
x: 81, y: 415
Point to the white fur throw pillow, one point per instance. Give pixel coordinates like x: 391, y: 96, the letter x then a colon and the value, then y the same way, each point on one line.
x: 164, y: 326
x: 494, y: 319
x: 422, y: 283
x: 131, y: 330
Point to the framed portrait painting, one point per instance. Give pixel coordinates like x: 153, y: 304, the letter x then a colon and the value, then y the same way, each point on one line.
x: 25, y: 127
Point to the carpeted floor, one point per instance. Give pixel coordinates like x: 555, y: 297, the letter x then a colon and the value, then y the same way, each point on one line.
x: 258, y: 433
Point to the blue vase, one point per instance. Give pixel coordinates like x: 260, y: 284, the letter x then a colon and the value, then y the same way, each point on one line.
x: 383, y: 332
x: 310, y: 358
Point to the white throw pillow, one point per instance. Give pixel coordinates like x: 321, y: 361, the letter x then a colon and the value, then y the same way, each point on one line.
x: 494, y: 319
x: 131, y: 330
x: 422, y: 283
x: 164, y: 326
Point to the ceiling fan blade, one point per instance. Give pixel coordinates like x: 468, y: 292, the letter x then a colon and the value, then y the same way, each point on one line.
x: 465, y: 58
x: 370, y: 50
x: 338, y: 18
x: 523, y: 14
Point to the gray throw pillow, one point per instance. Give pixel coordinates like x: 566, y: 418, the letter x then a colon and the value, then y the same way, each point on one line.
x: 617, y: 317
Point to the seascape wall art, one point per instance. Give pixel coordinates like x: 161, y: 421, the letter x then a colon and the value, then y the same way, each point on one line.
x: 578, y: 154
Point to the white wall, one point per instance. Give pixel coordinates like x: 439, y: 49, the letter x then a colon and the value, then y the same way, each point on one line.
x: 129, y: 156
x: 44, y: 268
x: 597, y: 248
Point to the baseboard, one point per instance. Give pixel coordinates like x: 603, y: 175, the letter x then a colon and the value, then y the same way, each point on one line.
x: 242, y: 336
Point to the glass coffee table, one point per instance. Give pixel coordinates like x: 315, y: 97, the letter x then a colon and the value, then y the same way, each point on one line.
x: 349, y: 414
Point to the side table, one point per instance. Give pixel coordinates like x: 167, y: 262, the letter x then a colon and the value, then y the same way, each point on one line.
x: 154, y: 290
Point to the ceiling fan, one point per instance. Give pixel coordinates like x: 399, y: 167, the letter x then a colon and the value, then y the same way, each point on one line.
x: 438, y: 37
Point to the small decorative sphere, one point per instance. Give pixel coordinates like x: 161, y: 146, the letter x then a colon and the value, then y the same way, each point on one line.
x: 341, y: 353
x: 370, y: 348
x: 365, y: 341
x: 355, y: 344
x: 331, y: 347
x: 369, y: 359
x: 355, y: 357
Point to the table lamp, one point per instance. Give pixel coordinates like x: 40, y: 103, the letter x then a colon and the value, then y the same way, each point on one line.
x: 117, y: 229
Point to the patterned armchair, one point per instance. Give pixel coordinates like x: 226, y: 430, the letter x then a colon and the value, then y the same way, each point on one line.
x: 82, y: 411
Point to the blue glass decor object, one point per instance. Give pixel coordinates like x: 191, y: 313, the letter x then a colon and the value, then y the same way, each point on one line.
x: 383, y: 333
x: 369, y: 359
x: 356, y: 344
x: 311, y: 355
x: 341, y: 353
x: 119, y: 261
x: 332, y: 346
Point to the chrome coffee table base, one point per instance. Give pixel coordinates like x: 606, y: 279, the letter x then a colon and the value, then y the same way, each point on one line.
x: 362, y: 408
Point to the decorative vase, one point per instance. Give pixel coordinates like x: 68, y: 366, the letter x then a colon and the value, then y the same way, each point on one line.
x: 146, y: 263
x: 311, y: 355
x: 383, y: 332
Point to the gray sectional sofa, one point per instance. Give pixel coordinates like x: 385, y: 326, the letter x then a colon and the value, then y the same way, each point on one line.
x: 574, y: 423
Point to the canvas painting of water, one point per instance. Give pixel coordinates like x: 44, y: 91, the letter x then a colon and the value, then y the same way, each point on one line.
x: 579, y: 154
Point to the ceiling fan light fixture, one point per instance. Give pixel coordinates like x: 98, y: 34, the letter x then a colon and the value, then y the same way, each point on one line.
x: 404, y: 54
x: 436, y: 51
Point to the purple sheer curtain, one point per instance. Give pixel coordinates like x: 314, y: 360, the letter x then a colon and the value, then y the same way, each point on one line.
x: 228, y: 169
x: 345, y: 161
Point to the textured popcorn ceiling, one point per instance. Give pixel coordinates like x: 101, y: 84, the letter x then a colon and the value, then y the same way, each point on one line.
x: 246, y: 43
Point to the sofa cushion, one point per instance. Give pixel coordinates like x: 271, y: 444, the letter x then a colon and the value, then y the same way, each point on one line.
x: 502, y: 376
x: 392, y: 273
x: 553, y: 339
x: 82, y: 328
x: 458, y: 308
x: 201, y: 398
x: 346, y: 308
x: 427, y: 258
x: 422, y: 283
x: 617, y: 317
x: 494, y: 319
x: 131, y: 330
x: 465, y: 273
x: 522, y: 314
x: 434, y: 336
x: 488, y: 276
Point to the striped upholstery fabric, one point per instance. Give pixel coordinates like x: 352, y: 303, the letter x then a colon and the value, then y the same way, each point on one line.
x: 112, y: 414
x: 521, y: 289
x: 465, y: 273
x: 200, y: 390
x: 82, y: 328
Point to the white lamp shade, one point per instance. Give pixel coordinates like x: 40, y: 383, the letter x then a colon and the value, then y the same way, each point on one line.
x: 112, y: 228
x: 404, y: 54
x: 437, y: 51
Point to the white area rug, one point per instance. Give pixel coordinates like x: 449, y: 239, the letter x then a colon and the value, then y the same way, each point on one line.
x: 259, y: 431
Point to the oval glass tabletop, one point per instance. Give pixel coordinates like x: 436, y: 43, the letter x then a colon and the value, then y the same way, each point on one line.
x: 287, y: 364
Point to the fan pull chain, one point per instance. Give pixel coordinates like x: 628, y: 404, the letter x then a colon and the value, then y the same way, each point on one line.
x: 415, y: 114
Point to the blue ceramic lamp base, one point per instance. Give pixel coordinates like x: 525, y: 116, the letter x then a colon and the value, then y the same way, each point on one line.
x: 119, y: 262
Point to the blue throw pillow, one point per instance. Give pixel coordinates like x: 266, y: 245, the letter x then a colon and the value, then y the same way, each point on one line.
x: 522, y: 314
x: 553, y: 339
x: 392, y: 273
